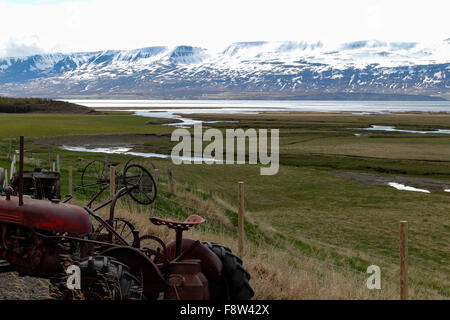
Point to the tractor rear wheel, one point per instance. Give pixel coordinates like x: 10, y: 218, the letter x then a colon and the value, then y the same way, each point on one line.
x: 105, y: 278
x: 234, y: 282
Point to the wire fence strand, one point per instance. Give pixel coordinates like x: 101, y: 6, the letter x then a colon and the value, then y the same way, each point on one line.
x: 390, y: 258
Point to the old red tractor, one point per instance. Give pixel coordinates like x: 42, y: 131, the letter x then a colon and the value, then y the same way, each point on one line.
x: 44, y: 238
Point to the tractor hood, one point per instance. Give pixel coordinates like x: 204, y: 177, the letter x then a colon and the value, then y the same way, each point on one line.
x: 45, y: 215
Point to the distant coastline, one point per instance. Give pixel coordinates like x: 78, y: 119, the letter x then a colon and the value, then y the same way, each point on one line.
x: 175, y: 108
x: 338, y: 96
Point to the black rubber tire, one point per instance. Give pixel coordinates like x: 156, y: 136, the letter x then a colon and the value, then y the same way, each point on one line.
x: 106, y: 278
x: 234, y: 284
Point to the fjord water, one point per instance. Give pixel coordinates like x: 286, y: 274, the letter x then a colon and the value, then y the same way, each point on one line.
x: 237, y: 106
x: 173, y: 108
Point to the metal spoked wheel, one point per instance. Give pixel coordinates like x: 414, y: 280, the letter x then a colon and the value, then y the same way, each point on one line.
x: 147, y: 246
x: 140, y: 184
x: 93, y: 177
x: 138, y: 160
x: 128, y: 163
x: 123, y: 227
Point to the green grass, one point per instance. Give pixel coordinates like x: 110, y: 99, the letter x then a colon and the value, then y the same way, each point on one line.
x: 48, y: 125
x: 25, y: 105
x: 303, y: 206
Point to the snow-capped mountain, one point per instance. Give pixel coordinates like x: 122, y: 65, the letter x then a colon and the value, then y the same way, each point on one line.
x: 246, y: 69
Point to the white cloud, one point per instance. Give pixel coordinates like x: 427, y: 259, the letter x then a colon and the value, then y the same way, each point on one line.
x: 21, y: 47
x: 102, y: 24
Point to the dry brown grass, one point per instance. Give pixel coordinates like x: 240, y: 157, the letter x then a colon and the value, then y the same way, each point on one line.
x: 276, y: 274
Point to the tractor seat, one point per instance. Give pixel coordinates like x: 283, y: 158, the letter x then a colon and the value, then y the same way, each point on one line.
x: 190, y: 222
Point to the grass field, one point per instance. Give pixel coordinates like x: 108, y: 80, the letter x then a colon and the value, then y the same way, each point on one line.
x: 321, y: 221
x: 47, y: 125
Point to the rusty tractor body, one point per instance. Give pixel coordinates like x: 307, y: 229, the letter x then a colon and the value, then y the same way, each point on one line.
x: 43, y: 238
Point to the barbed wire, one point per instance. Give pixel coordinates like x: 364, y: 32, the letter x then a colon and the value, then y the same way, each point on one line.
x: 390, y: 272
x: 390, y: 258
x: 297, y: 254
x: 328, y: 263
x: 182, y: 204
x: 377, y: 255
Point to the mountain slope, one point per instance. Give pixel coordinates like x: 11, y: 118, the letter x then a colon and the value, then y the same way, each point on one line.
x: 247, y: 69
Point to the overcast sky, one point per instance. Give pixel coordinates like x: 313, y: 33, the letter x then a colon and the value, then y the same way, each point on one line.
x: 29, y: 27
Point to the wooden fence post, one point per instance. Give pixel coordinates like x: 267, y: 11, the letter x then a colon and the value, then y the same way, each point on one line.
x: 171, y: 186
x: 112, y: 181
x: 403, y: 260
x: 49, y: 161
x: 70, y: 179
x: 10, y: 149
x: 241, y: 219
x: 58, y: 163
x: 13, y: 167
x: 152, y: 207
x: 106, y: 163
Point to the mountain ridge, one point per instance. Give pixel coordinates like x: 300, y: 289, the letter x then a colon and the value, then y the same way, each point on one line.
x: 263, y: 69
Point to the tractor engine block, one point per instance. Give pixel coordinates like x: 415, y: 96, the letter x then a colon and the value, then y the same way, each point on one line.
x: 27, y: 253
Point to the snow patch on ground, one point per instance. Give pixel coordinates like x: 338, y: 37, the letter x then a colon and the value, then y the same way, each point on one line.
x: 393, y: 129
x: 400, y: 186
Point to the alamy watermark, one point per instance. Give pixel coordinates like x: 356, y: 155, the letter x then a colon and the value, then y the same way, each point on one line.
x: 234, y: 144
x: 74, y: 279
x: 374, y: 281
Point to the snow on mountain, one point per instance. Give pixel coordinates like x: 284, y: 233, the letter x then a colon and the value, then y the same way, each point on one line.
x: 289, y: 66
